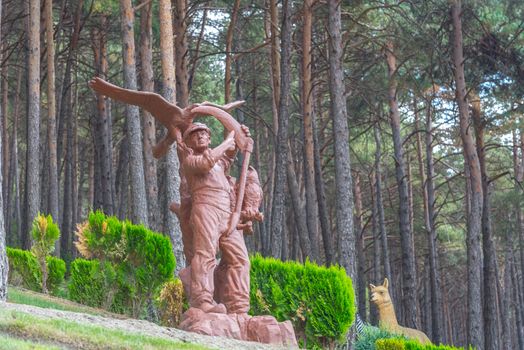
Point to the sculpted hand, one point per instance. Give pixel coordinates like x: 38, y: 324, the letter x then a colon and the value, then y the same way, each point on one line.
x: 100, y: 86
x: 245, y: 130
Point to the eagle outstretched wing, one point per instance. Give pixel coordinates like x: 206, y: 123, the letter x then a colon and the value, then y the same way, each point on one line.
x: 168, y: 114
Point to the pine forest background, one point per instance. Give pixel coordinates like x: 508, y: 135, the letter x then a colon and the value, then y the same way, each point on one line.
x: 389, y: 136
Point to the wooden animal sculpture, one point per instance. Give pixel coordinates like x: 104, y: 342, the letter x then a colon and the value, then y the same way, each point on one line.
x: 387, y: 318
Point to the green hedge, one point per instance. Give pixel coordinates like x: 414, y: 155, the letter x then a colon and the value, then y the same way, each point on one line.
x: 25, y: 271
x: 368, y: 337
x: 86, y: 285
x: 403, y: 344
x: 318, y: 300
x: 132, y: 263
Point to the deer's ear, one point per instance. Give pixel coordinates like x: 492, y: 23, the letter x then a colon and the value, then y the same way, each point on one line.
x: 372, y: 286
x: 386, y: 283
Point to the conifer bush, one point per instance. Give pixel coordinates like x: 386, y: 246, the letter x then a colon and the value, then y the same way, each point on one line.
x: 44, y: 233
x: 133, y: 262
x: 318, y: 300
x: 404, y: 344
x: 24, y: 270
x: 367, y: 339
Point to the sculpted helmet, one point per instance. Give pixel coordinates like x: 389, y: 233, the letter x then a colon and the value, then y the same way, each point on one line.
x: 194, y: 127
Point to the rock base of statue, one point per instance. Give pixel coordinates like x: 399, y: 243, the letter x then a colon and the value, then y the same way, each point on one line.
x: 263, y: 329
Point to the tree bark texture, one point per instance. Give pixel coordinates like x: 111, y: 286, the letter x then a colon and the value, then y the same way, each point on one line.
x: 103, y: 195
x: 148, y: 122
x: 307, y: 119
x: 298, y: 207
x: 229, y: 48
x: 430, y: 217
x: 474, y: 245
x: 380, y: 206
x: 361, y: 258
x: 281, y: 148
x: 13, y: 218
x: 4, y: 266
x: 51, y: 117
x: 409, y: 272
x: 181, y: 53
x: 4, y: 114
x: 172, y: 166
x: 33, y: 122
x: 343, y: 181
x: 325, y: 226
x: 136, y: 160
x: 491, y: 317
x: 66, y: 120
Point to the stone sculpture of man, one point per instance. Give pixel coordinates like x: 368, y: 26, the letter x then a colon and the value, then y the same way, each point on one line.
x: 206, y: 170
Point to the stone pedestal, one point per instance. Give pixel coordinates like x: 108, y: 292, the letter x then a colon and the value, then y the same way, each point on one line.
x: 263, y: 329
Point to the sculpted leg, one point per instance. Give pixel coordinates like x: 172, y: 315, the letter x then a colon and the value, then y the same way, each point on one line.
x: 232, y: 274
x: 206, y: 221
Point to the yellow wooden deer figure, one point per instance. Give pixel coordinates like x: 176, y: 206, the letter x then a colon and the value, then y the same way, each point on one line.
x: 388, y: 319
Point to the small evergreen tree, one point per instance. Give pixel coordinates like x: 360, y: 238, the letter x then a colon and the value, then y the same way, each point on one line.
x: 44, y: 233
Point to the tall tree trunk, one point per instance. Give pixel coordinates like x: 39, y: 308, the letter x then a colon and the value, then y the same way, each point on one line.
x: 343, y: 182
x: 67, y: 211
x: 298, y: 206
x: 271, y: 25
x: 429, y: 218
x: 104, y: 196
x: 122, y: 180
x: 380, y: 206
x: 491, y: 318
x: 14, y: 218
x: 136, y: 160
x: 66, y: 119
x: 33, y: 122
x: 361, y: 259
x: 281, y: 149
x: 229, y: 47
x: 52, y: 162
x: 4, y: 113
x: 172, y: 165
x: 507, y: 311
x: 307, y: 119
x: 325, y: 227
x: 4, y: 266
x: 409, y: 272
x: 474, y: 247
x: 377, y: 276
x: 181, y: 53
x: 148, y: 122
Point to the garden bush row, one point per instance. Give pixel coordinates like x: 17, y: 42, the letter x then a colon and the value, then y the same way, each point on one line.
x: 403, y: 344
x: 130, y: 264
x: 24, y: 270
x: 318, y: 300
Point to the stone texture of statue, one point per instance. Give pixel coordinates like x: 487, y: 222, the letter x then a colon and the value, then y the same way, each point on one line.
x: 213, y: 212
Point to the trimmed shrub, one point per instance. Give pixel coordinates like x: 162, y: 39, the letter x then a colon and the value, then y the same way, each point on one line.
x: 86, y: 285
x: 133, y: 262
x: 404, y: 344
x: 56, y: 269
x: 318, y: 300
x: 369, y: 336
x: 24, y: 270
x: 44, y: 232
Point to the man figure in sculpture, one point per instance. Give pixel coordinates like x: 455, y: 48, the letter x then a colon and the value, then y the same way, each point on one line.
x: 206, y: 170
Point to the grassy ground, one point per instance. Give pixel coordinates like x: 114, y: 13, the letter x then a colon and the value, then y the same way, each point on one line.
x: 19, y: 330
x: 23, y: 296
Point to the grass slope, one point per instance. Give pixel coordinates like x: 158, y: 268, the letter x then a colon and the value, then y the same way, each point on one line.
x: 23, y: 296
x: 31, y: 320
